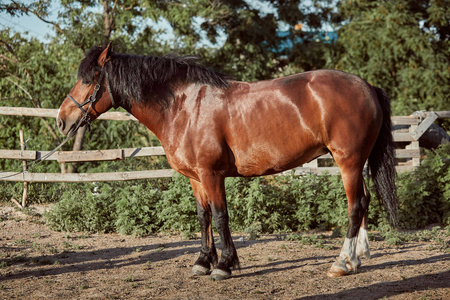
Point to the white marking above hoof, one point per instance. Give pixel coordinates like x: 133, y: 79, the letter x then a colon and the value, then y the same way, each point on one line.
x: 362, y: 246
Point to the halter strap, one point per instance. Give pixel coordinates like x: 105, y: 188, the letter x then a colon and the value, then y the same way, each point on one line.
x: 93, y: 98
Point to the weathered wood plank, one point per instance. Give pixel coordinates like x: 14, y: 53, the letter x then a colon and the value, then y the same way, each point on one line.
x: 145, y: 151
x: 402, y: 137
x: 407, y: 153
x: 123, y: 116
x: 93, y: 155
x: 405, y: 120
x: 426, y: 123
x: 17, y: 154
x: 85, y: 177
x: 87, y: 155
x: 443, y: 114
x: 399, y: 153
x: 28, y: 111
x: 52, y: 113
x: 118, y: 154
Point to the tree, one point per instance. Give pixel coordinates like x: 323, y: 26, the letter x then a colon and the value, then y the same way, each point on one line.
x: 401, y: 46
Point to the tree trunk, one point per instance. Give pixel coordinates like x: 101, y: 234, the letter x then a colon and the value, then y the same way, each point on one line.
x: 77, y: 146
x: 108, y: 21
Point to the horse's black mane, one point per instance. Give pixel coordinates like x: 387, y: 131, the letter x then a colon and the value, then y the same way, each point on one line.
x: 149, y: 78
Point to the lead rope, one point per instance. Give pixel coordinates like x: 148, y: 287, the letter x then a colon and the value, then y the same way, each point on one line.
x: 43, y: 158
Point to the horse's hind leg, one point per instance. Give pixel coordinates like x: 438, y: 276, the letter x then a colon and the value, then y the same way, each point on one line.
x: 358, y: 203
x: 208, y: 253
x: 362, y: 245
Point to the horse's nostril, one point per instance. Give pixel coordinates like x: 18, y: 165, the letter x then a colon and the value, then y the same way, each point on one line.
x: 60, y: 123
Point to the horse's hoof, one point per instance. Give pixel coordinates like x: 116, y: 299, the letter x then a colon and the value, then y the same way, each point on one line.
x: 198, y: 270
x: 218, y: 274
x: 336, y: 272
x: 338, y: 269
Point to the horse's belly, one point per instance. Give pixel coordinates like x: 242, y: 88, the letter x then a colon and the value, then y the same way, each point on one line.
x: 257, y: 162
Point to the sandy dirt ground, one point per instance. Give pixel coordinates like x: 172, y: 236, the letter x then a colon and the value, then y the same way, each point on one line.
x: 38, y: 263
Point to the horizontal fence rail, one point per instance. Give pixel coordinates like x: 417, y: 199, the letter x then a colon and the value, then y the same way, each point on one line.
x: 52, y: 113
x: 87, y: 177
x: 405, y: 136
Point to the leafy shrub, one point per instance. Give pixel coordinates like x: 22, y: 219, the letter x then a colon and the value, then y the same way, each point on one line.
x: 177, y: 209
x: 262, y: 202
x: 424, y: 194
x: 82, y: 210
x: 135, y: 210
x: 322, y: 202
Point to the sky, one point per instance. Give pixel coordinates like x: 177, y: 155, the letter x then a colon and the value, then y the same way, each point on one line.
x: 27, y: 23
x: 34, y: 27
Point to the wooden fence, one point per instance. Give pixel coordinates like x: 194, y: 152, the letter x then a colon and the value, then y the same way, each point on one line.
x: 406, y: 135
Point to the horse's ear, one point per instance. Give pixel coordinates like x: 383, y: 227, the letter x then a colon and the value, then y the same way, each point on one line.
x: 105, y: 56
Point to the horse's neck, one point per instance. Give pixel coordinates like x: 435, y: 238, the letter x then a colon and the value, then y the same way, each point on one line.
x: 165, y: 123
x: 152, y: 116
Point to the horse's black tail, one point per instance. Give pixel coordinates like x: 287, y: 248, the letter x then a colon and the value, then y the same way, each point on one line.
x: 382, y: 161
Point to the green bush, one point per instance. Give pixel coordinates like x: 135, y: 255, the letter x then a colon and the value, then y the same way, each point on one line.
x: 424, y: 195
x: 177, y: 210
x: 135, y: 210
x: 265, y: 203
x: 83, y: 210
x: 322, y: 202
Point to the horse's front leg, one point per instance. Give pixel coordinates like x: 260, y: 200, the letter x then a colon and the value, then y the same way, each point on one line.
x: 208, y: 253
x: 213, y: 187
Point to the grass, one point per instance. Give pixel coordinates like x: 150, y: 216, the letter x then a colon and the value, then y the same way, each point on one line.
x: 438, y: 236
x: 71, y: 246
x: 317, y: 241
x: 129, y: 279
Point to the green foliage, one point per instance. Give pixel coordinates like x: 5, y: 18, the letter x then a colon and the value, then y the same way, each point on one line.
x: 82, y: 210
x: 424, y: 195
x: 135, y: 210
x: 401, y: 46
x: 257, y: 203
x: 177, y: 209
x: 322, y: 202
x: 440, y: 237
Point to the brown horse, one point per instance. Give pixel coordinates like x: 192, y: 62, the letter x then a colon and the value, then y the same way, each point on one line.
x: 212, y: 127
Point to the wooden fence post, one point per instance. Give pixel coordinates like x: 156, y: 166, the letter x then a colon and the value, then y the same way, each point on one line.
x: 414, y: 145
x: 25, y: 168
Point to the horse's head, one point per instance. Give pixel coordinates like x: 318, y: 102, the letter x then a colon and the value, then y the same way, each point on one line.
x: 88, y: 98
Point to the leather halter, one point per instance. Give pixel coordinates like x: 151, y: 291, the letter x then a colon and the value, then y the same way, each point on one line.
x: 93, y: 98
